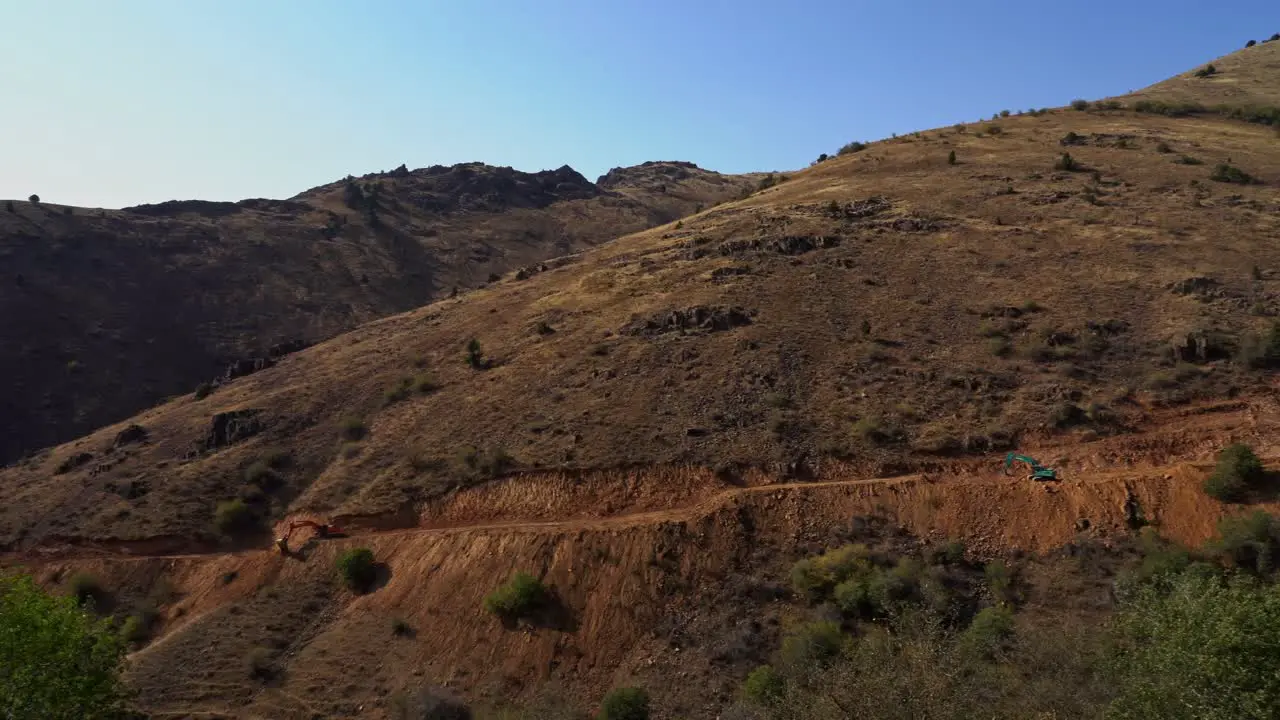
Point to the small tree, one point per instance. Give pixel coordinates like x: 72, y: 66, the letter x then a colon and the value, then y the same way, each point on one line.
x: 951, y: 158
x: 34, y: 199
x: 518, y: 597
x: 1206, y: 71
x: 1251, y: 43
x: 56, y: 660
x: 233, y: 516
x: 8, y: 206
x: 1202, y: 648
x: 1079, y: 104
x: 1238, y: 470
x: 852, y: 147
x: 357, y: 568
x: 1066, y: 162
x: 764, y: 686
x: 627, y: 703
x: 475, y: 356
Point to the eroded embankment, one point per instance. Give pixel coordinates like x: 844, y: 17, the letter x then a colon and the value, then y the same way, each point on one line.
x: 617, y: 580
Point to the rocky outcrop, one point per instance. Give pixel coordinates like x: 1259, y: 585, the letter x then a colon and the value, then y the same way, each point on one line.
x: 130, y: 435
x: 701, y: 318
x: 232, y: 427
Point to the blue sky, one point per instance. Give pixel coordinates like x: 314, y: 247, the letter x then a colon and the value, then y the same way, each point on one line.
x: 117, y: 103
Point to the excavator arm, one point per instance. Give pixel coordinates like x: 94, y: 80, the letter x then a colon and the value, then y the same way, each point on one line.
x: 1038, y: 471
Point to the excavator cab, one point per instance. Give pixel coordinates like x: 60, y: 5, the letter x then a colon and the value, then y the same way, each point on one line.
x: 1038, y: 472
x: 323, y: 530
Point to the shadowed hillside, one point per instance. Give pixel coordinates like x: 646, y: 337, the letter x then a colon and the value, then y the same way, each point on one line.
x: 107, y: 312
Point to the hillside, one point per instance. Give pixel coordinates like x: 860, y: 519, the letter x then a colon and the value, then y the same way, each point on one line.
x: 658, y: 426
x: 112, y: 311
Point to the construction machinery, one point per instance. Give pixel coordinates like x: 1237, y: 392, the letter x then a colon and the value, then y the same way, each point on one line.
x: 1038, y: 472
x: 323, y: 530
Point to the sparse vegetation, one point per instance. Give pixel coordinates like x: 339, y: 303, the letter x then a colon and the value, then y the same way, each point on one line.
x: 1238, y: 471
x: 626, y: 703
x: 951, y: 158
x: 852, y: 147
x: 1163, y: 147
x: 1067, y: 163
x: 353, y: 429
x: 764, y: 686
x: 203, y: 390
x: 1080, y: 105
x: 1188, y: 160
x: 1225, y: 173
x: 1206, y: 71
x: 357, y: 569
x: 34, y: 199
x: 401, y: 628
x: 519, y: 597
x: 234, y: 517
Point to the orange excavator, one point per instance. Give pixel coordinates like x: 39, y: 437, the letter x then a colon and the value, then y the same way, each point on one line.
x: 323, y: 530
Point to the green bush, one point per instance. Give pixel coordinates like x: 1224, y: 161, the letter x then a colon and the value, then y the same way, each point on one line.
x: 1225, y: 173
x: 474, y: 354
x: 353, y: 429
x: 999, y: 580
x: 401, y: 627
x: 812, y: 644
x: 1157, y: 107
x: 990, y: 631
x: 1238, y: 470
x: 137, y: 627
x: 1163, y: 147
x: 764, y: 686
x: 260, y: 473
x: 1188, y: 160
x: 951, y: 158
x: 1080, y: 105
x: 627, y: 703
x: 1249, y: 542
x: 86, y: 588
x: 33, y: 199
x: 203, y: 390
x: 259, y: 664
x: 357, y: 569
x: 815, y: 577
x: 521, y: 596
x: 56, y: 661
x: 1067, y: 163
x: 852, y: 147
x: 1206, y: 71
x: 1262, y: 352
x: 233, y: 516
x: 1203, y: 648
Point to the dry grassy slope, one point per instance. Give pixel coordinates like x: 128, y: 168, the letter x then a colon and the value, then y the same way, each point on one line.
x: 578, y: 380
x: 107, y: 312
x: 1246, y: 77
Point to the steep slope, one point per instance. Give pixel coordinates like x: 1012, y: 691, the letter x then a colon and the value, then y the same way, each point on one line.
x: 108, y: 312
x: 659, y: 425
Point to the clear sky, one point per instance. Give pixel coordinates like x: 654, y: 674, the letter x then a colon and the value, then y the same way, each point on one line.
x: 118, y: 102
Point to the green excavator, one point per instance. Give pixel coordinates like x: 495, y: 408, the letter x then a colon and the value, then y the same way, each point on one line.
x: 1038, y: 471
